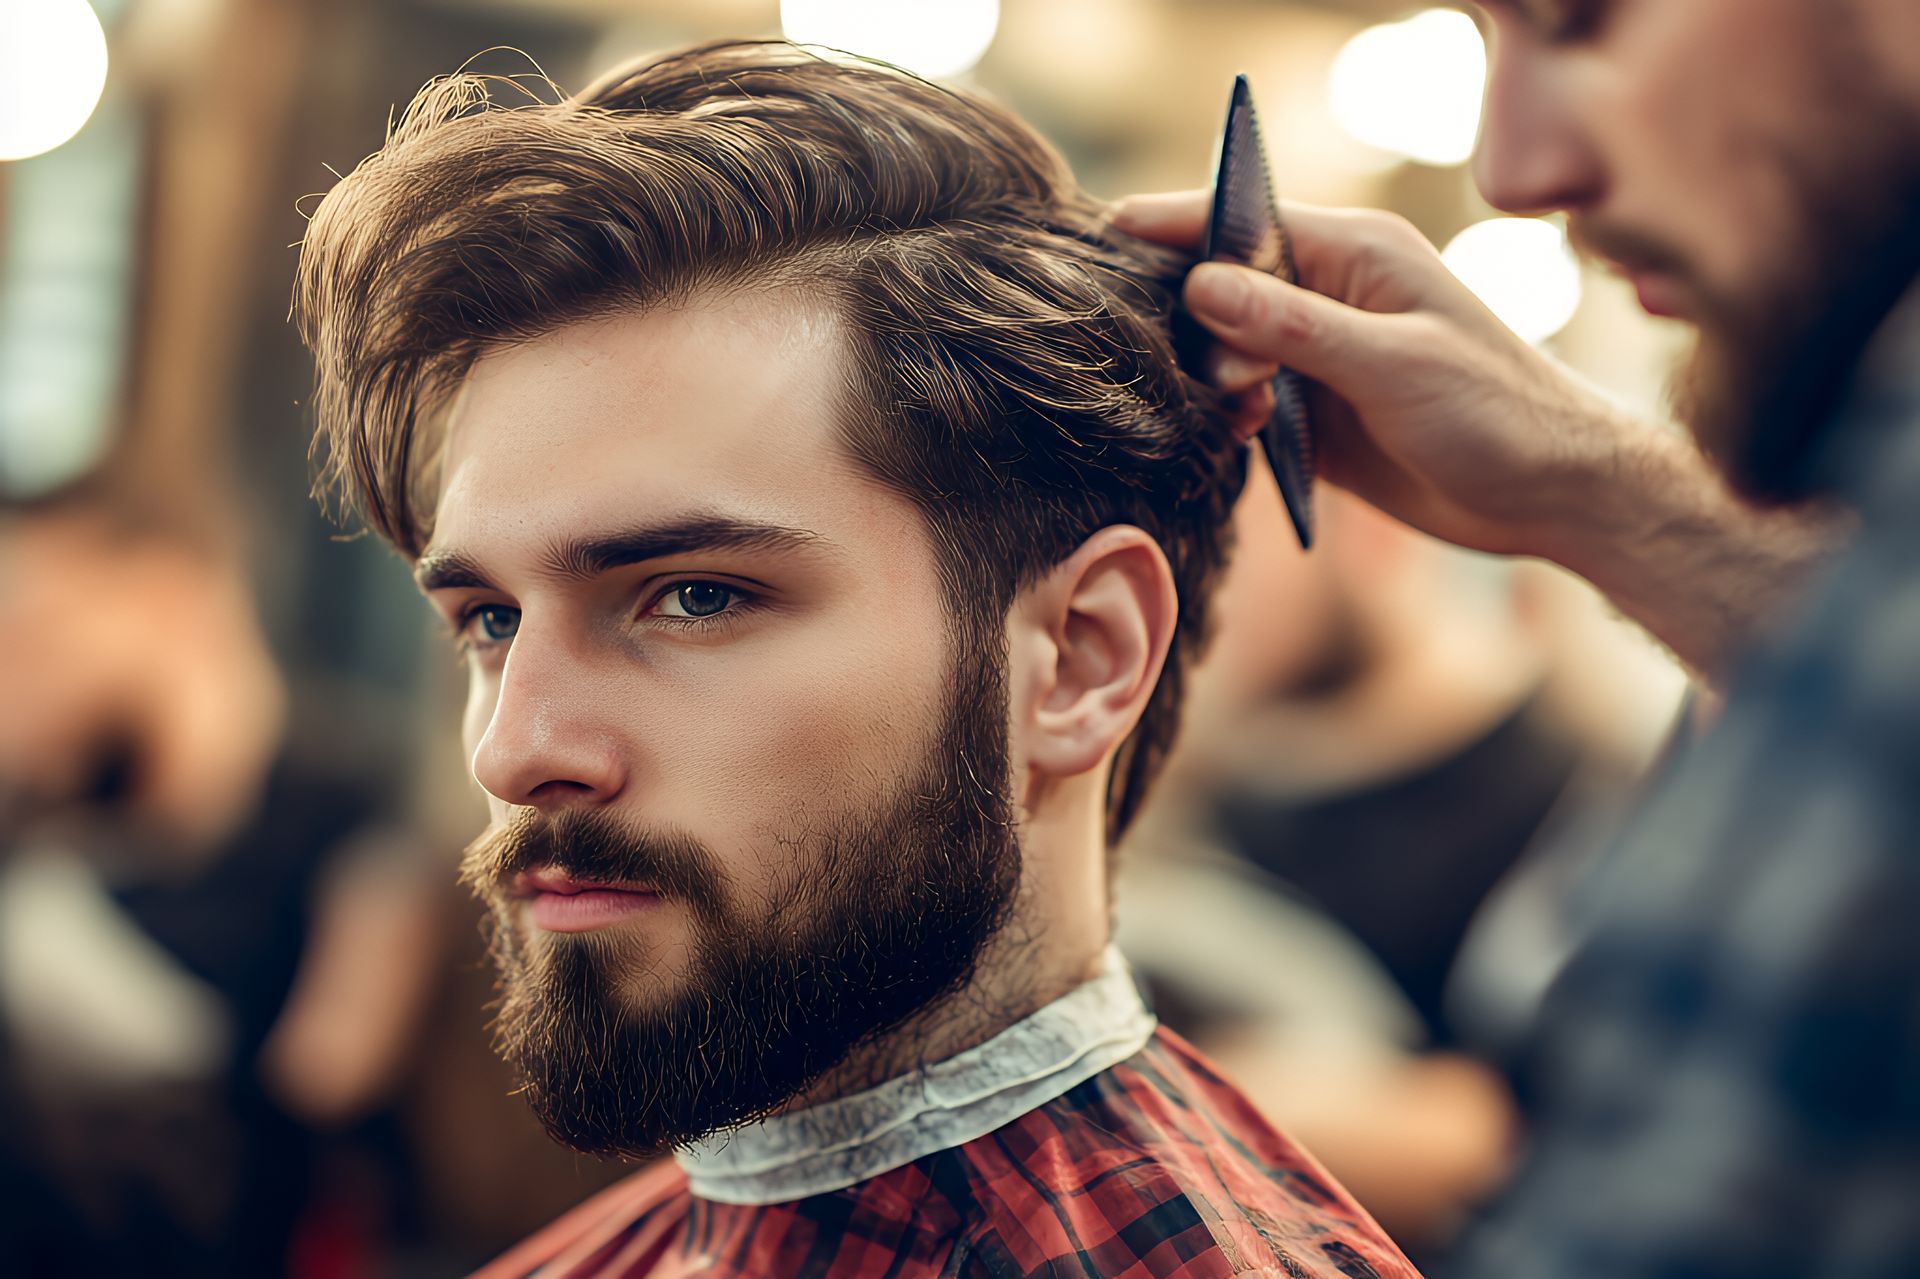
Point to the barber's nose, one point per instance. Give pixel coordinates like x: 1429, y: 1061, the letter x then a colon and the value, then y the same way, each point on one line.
x: 1534, y: 156
x: 548, y: 744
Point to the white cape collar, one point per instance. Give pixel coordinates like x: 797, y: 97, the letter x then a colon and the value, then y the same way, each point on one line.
x: 945, y: 1104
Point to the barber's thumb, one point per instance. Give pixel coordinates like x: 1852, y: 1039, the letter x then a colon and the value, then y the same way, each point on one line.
x: 1280, y: 323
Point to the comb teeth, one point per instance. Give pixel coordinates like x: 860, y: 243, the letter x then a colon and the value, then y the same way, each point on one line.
x: 1246, y: 228
x: 1288, y: 441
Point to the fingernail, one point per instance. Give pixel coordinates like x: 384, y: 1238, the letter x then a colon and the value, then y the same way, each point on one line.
x: 1234, y: 371
x: 1220, y: 291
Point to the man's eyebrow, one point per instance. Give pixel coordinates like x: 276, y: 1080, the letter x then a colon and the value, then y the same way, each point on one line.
x: 583, y: 558
x: 578, y: 559
x: 448, y: 570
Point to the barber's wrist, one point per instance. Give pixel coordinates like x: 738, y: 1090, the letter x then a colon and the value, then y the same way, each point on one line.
x: 1600, y: 490
x: 1660, y: 533
x: 1621, y: 484
x: 1654, y: 528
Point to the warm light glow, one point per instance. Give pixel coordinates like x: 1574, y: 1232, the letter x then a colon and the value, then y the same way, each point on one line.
x: 1413, y: 88
x: 53, y: 64
x: 933, y: 38
x: 1523, y: 269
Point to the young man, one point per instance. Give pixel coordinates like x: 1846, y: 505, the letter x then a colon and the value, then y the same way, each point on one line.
x: 1731, y: 1067
x: 811, y: 487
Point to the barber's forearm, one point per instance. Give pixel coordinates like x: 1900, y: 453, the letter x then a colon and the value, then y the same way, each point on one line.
x: 1676, y: 551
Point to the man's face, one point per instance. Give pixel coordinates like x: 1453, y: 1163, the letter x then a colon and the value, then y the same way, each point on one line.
x: 748, y: 800
x: 1737, y: 159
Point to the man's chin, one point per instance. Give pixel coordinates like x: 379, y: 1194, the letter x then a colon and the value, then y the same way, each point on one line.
x: 1753, y: 417
x: 741, y: 1038
x: 1706, y: 398
x: 604, y: 1074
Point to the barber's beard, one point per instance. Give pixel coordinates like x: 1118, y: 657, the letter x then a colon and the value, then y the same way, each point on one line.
x: 1772, y: 365
x: 890, y: 906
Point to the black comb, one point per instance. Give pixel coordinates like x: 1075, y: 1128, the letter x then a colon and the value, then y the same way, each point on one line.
x: 1245, y: 228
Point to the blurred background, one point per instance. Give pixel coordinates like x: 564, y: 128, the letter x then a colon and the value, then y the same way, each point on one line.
x: 242, y: 1002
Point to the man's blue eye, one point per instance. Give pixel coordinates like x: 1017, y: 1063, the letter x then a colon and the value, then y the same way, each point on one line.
x: 702, y: 599
x: 497, y: 623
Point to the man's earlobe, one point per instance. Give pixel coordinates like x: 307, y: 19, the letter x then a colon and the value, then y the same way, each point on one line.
x: 1109, y: 611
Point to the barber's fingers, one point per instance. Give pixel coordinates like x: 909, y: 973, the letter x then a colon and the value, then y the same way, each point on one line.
x: 1367, y: 258
x: 1231, y: 372
x: 1371, y: 259
x: 1177, y: 218
x: 1249, y: 411
x: 1265, y: 320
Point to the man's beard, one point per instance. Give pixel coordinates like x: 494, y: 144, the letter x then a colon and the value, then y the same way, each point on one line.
x: 1773, y: 363
x: 1765, y: 380
x: 887, y: 913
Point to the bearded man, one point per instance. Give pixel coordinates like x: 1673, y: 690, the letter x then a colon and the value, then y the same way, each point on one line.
x: 808, y: 480
x: 1729, y: 1069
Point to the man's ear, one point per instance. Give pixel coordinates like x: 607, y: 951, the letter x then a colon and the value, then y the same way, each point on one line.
x: 1094, y: 633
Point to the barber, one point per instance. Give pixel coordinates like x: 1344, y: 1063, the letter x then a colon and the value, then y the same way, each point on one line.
x: 1731, y: 1067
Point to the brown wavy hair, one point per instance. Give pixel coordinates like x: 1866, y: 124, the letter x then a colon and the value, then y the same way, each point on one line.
x: 1016, y: 363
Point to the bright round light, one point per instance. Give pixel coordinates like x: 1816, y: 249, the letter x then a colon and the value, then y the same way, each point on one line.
x: 933, y: 38
x: 53, y: 64
x: 1523, y: 269
x: 1413, y: 88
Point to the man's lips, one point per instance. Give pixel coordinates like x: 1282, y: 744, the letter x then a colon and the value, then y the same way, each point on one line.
x: 559, y: 903
x: 1659, y: 293
x: 1657, y: 276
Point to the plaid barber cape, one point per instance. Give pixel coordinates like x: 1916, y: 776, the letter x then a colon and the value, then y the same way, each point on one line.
x: 1154, y: 1168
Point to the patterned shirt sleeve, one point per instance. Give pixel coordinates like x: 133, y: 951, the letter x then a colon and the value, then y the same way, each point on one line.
x: 1731, y: 1070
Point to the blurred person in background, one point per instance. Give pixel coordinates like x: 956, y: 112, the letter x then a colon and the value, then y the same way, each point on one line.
x: 216, y: 940
x: 1728, y: 1067
x: 828, y: 533
x: 242, y: 997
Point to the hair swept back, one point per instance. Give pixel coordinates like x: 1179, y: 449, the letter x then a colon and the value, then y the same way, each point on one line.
x: 1015, y: 361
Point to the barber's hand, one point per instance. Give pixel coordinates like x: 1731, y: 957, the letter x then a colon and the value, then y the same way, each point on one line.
x: 1432, y: 410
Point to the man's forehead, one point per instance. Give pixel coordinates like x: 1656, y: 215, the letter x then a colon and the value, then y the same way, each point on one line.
x: 729, y: 401
x: 642, y: 376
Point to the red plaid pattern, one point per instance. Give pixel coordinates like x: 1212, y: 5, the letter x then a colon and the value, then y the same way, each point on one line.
x: 1155, y: 1169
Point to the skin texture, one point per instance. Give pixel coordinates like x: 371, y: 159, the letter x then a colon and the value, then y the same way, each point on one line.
x: 1639, y: 120
x: 804, y: 702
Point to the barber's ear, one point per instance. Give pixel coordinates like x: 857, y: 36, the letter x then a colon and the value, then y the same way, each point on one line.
x: 1093, y: 634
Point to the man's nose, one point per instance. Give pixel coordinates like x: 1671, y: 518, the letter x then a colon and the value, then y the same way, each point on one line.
x: 549, y: 744
x: 1534, y: 157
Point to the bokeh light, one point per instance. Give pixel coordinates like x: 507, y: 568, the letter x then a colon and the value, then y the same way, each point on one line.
x: 53, y: 65
x: 934, y: 38
x: 1523, y: 269
x: 1413, y: 88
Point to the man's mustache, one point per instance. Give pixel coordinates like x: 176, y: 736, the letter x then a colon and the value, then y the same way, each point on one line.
x: 595, y: 848
x: 1625, y: 248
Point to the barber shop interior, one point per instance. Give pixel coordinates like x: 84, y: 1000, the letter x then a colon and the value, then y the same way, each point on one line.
x: 959, y: 639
